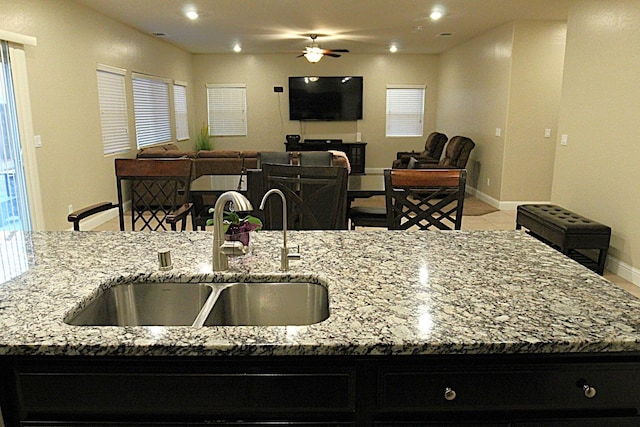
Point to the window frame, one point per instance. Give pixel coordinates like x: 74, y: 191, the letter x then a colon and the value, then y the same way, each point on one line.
x: 114, y: 112
x: 227, y: 109
x: 152, y: 110
x: 181, y: 110
x: 404, y: 122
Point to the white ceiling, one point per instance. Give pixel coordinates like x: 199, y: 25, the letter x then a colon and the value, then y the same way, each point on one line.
x: 362, y: 26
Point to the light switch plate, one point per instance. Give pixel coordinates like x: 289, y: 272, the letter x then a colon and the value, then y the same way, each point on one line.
x: 564, y: 139
x: 498, y: 131
x: 37, y: 141
x: 547, y: 133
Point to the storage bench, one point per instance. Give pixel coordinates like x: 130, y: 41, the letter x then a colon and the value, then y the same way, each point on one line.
x: 566, y: 231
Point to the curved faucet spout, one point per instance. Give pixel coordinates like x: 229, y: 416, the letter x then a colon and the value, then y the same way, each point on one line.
x: 284, y: 252
x: 240, y: 203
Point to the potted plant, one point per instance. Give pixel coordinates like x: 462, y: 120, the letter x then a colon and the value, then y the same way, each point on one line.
x: 202, y: 141
x: 238, y: 228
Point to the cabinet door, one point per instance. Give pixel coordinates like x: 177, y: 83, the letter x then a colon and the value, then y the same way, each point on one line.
x: 557, y: 387
x: 581, y: 422
x: 211, y: 391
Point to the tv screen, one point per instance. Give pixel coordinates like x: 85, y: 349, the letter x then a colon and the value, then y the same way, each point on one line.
x: 325, y: 98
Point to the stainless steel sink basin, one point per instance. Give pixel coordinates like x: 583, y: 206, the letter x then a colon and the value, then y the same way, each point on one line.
x: 205, y: 304
x: 269, y: 304
x: 145, y: 304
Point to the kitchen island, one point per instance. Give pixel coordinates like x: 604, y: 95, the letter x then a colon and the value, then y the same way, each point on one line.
x: 424, y: 327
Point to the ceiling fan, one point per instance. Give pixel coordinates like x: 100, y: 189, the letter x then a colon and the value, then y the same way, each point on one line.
x: 314, y: 53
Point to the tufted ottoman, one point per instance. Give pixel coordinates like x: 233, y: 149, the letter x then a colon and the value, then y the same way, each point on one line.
x: 567, y: 231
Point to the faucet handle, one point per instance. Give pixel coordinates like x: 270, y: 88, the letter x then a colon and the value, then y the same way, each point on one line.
x: 233, y: 248
x: 293, y: 253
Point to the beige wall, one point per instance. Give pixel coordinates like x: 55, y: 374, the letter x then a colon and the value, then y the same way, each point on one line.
x: 508, y: 78
x: 597, y: 173
x: 473, y: 101
x: 534, y: 99
x: 72, y: 40
x: 268, y: 112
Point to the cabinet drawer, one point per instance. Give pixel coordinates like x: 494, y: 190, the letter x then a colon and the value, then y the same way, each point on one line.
x: 173, y: 393
x: 526, y: 388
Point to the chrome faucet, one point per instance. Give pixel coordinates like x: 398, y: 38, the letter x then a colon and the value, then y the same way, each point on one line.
x: 240, y: 203
x: 284, y: 252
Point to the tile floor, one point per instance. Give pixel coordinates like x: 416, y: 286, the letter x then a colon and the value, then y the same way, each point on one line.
x: 499, y: 220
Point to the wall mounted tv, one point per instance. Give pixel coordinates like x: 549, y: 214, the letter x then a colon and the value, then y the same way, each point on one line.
x: 325, y: 98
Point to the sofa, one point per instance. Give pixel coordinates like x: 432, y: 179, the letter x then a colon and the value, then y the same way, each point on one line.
x: 219, y: 162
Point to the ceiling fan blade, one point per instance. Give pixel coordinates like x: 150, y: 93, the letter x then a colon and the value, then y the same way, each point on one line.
x: 337, y: 50
x: 333, y: 55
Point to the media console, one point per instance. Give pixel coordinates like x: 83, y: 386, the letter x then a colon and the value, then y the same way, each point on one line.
x: 355, y: 151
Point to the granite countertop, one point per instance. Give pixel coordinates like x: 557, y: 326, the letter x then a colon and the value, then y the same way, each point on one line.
x: 474, y: 292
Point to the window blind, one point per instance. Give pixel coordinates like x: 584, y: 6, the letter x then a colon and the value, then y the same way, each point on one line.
x: 405, y: 110
x: 227, y: 106
x: 112, y: 101
x: 151, y: 109
x: 180, y: 108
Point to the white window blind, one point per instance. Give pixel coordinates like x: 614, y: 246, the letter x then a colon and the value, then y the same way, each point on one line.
x: 405, y: 110
x: 112, y: 101
x: 227, y: 105
x: 180, y: 108
x: 151, y: 108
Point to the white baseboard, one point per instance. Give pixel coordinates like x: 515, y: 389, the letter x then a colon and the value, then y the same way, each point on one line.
x: 503, y: 206
x: 374, y: 171
x: 623, y: 270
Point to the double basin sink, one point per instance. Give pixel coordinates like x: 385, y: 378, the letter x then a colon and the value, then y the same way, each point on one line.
x: 205, y: 304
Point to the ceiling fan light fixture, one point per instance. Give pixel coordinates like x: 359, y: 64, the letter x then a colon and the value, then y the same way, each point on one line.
x: 313, y: 54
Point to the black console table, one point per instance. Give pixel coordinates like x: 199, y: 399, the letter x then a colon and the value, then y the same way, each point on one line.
x: 355, y: 151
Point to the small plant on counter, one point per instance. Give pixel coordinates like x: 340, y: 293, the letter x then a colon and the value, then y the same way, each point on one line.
x: 202, y: 141
x: 237, y: 227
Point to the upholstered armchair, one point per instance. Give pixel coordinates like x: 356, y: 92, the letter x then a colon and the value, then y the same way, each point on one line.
x: 456, y: 154
x: 433, y: 147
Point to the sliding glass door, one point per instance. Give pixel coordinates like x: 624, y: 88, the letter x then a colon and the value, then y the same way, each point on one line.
x: 14, y: 204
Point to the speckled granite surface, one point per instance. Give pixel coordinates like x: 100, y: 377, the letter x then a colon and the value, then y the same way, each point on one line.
x: 390, y: 293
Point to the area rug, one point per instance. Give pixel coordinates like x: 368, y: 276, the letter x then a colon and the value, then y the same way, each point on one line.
x: 472, y: 205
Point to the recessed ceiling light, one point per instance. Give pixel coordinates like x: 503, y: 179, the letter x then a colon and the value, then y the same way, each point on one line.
x: 435, y: 15
x: 191, y: 14
x: 393, y: 48
x: 237, y: 48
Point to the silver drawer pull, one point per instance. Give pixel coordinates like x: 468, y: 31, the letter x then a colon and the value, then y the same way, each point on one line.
x: 449, y: 394
x: 589, y: 392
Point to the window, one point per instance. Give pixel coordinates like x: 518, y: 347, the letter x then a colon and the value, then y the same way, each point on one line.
x: 405, y: 110
x: 180, y: 108
x: 112, y: 101
x: 151, y: 109
x: 227, y: 105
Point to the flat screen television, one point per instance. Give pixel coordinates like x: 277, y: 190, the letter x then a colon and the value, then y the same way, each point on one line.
x: 325, y: 98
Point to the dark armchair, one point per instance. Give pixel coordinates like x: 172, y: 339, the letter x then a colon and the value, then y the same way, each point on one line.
x: 456, y: 155
x: 433, y: 147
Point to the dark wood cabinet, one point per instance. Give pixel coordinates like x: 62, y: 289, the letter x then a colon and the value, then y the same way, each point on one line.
x: 525, y: 391
x: 355, y: 151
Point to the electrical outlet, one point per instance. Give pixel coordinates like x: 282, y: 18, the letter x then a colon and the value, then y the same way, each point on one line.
x: 547, y: 133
